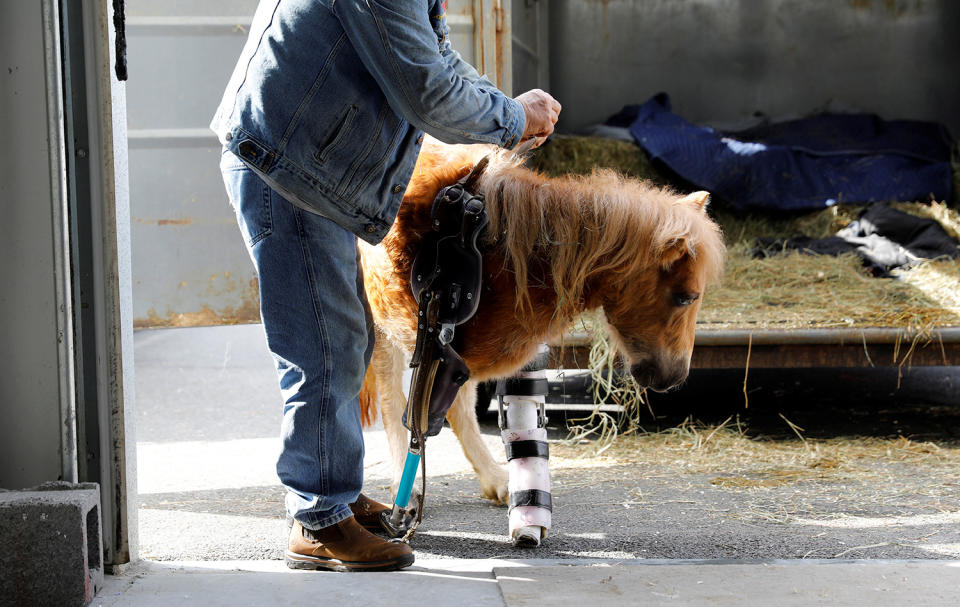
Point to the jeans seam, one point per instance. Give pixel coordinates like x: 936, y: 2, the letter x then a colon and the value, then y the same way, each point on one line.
x: 267, y: 226
x: 323, y: 340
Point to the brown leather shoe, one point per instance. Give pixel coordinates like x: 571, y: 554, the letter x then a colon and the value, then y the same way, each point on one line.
x: 345, y: 546
x: 367, y: 512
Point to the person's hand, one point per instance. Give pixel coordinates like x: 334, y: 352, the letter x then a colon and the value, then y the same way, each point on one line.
x: 542, y: 112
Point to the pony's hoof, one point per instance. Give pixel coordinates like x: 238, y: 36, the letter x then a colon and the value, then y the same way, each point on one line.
x: 494, y: 487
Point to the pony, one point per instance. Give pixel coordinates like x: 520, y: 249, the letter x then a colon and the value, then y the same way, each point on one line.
x: 554, y: 248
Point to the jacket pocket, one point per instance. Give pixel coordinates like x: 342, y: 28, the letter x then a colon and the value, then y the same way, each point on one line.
x: 339, y: 136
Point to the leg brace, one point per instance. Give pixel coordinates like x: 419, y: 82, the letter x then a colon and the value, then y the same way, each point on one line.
x: 524, y: 433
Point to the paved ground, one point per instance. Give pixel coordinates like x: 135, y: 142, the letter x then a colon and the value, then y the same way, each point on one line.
x: 208, y: 412
x: 510, y: 583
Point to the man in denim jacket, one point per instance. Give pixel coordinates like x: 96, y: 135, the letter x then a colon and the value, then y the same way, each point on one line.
x: 321, y: 125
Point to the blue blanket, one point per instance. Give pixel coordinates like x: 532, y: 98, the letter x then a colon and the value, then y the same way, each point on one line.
x: 800, y: 164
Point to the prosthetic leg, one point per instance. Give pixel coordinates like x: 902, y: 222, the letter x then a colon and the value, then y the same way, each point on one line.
x: 523, y: 429
x: 446, y: 281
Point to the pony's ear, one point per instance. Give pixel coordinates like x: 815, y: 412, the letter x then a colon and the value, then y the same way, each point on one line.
x: 672, y: 253
x: 701, y: 199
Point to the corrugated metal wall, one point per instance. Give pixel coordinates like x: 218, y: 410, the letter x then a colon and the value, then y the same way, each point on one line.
x: 722, y: 60
x: 530, y: 45
x: 189, y: 263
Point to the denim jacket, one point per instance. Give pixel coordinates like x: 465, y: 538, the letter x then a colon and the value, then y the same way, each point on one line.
x: 330, y: 98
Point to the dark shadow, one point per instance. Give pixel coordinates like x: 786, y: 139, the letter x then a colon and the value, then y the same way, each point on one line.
x: 919, y: 403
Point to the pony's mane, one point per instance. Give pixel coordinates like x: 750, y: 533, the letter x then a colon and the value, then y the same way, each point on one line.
x: 583, y: 226
x: 592, y: 224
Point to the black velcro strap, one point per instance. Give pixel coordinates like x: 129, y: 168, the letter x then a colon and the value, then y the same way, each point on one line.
x: 521, y: 386
x: 531, y: 497
x: 527, y: 448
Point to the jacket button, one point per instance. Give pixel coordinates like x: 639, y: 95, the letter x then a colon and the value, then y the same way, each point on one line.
x: 229, y: 137
x: 369, y: 228
x: 397, y: 189
x: 420, y: 140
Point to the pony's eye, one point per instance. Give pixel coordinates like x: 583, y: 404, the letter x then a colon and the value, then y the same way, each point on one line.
x: 685, y: 299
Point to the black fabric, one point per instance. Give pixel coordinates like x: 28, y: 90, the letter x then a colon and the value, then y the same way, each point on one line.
x: 531, y: 497
x: 883, y: 237
x: 120, y: 39
x: 808, y: 163
x: 527, y: 448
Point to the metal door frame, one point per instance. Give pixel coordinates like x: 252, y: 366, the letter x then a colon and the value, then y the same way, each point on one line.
x: 87, y: 121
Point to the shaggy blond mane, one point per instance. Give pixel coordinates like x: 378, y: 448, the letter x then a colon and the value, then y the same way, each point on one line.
x: 588, y: 225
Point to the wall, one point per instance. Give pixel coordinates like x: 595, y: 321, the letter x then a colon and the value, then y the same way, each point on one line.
x: 722, y: 60
x: 29, y: 375
x: 189, y: 263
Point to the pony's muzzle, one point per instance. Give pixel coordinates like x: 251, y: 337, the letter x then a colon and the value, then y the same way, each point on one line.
x: 659, y: 376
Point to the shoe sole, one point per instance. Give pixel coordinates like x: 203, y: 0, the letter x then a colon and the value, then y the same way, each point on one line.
x: 314, y: 563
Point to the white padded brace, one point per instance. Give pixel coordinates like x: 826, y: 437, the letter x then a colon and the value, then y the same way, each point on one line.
x: 528, y: 524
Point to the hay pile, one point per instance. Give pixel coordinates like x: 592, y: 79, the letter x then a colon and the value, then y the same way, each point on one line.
x: 794, y: 291
x: 790, y: 291
x: 775, y: 480
x: 742, y: 461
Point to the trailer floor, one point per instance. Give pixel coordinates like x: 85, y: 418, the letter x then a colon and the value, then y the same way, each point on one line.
x: 207, y: 446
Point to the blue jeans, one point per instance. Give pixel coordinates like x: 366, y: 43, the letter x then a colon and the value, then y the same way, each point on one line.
x: 321, y: 336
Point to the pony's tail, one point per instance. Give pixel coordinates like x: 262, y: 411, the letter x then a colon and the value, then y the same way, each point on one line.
x: 368, y: 398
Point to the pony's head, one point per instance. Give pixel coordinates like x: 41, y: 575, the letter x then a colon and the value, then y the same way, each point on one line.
x: 651, y: 308
x: 644, y: 254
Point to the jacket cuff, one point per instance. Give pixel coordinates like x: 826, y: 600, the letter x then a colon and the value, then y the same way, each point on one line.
x: 516, y: 122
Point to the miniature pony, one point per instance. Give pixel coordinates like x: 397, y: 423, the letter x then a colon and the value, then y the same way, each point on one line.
x: 554, y: 248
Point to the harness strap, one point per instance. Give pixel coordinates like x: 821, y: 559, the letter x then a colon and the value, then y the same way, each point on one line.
x: 531, y: 497
x: 445, y: 279
x: 527, y: 448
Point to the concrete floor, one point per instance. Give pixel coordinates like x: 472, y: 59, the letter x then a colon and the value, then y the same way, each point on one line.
x: 509, y: 583
x: 207, y: 423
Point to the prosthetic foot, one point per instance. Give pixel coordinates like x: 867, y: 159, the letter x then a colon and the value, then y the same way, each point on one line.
x: 524, y: 433
x: 398, y: 520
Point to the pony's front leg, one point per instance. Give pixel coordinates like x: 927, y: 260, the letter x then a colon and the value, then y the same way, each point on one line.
x: 463, y: 419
